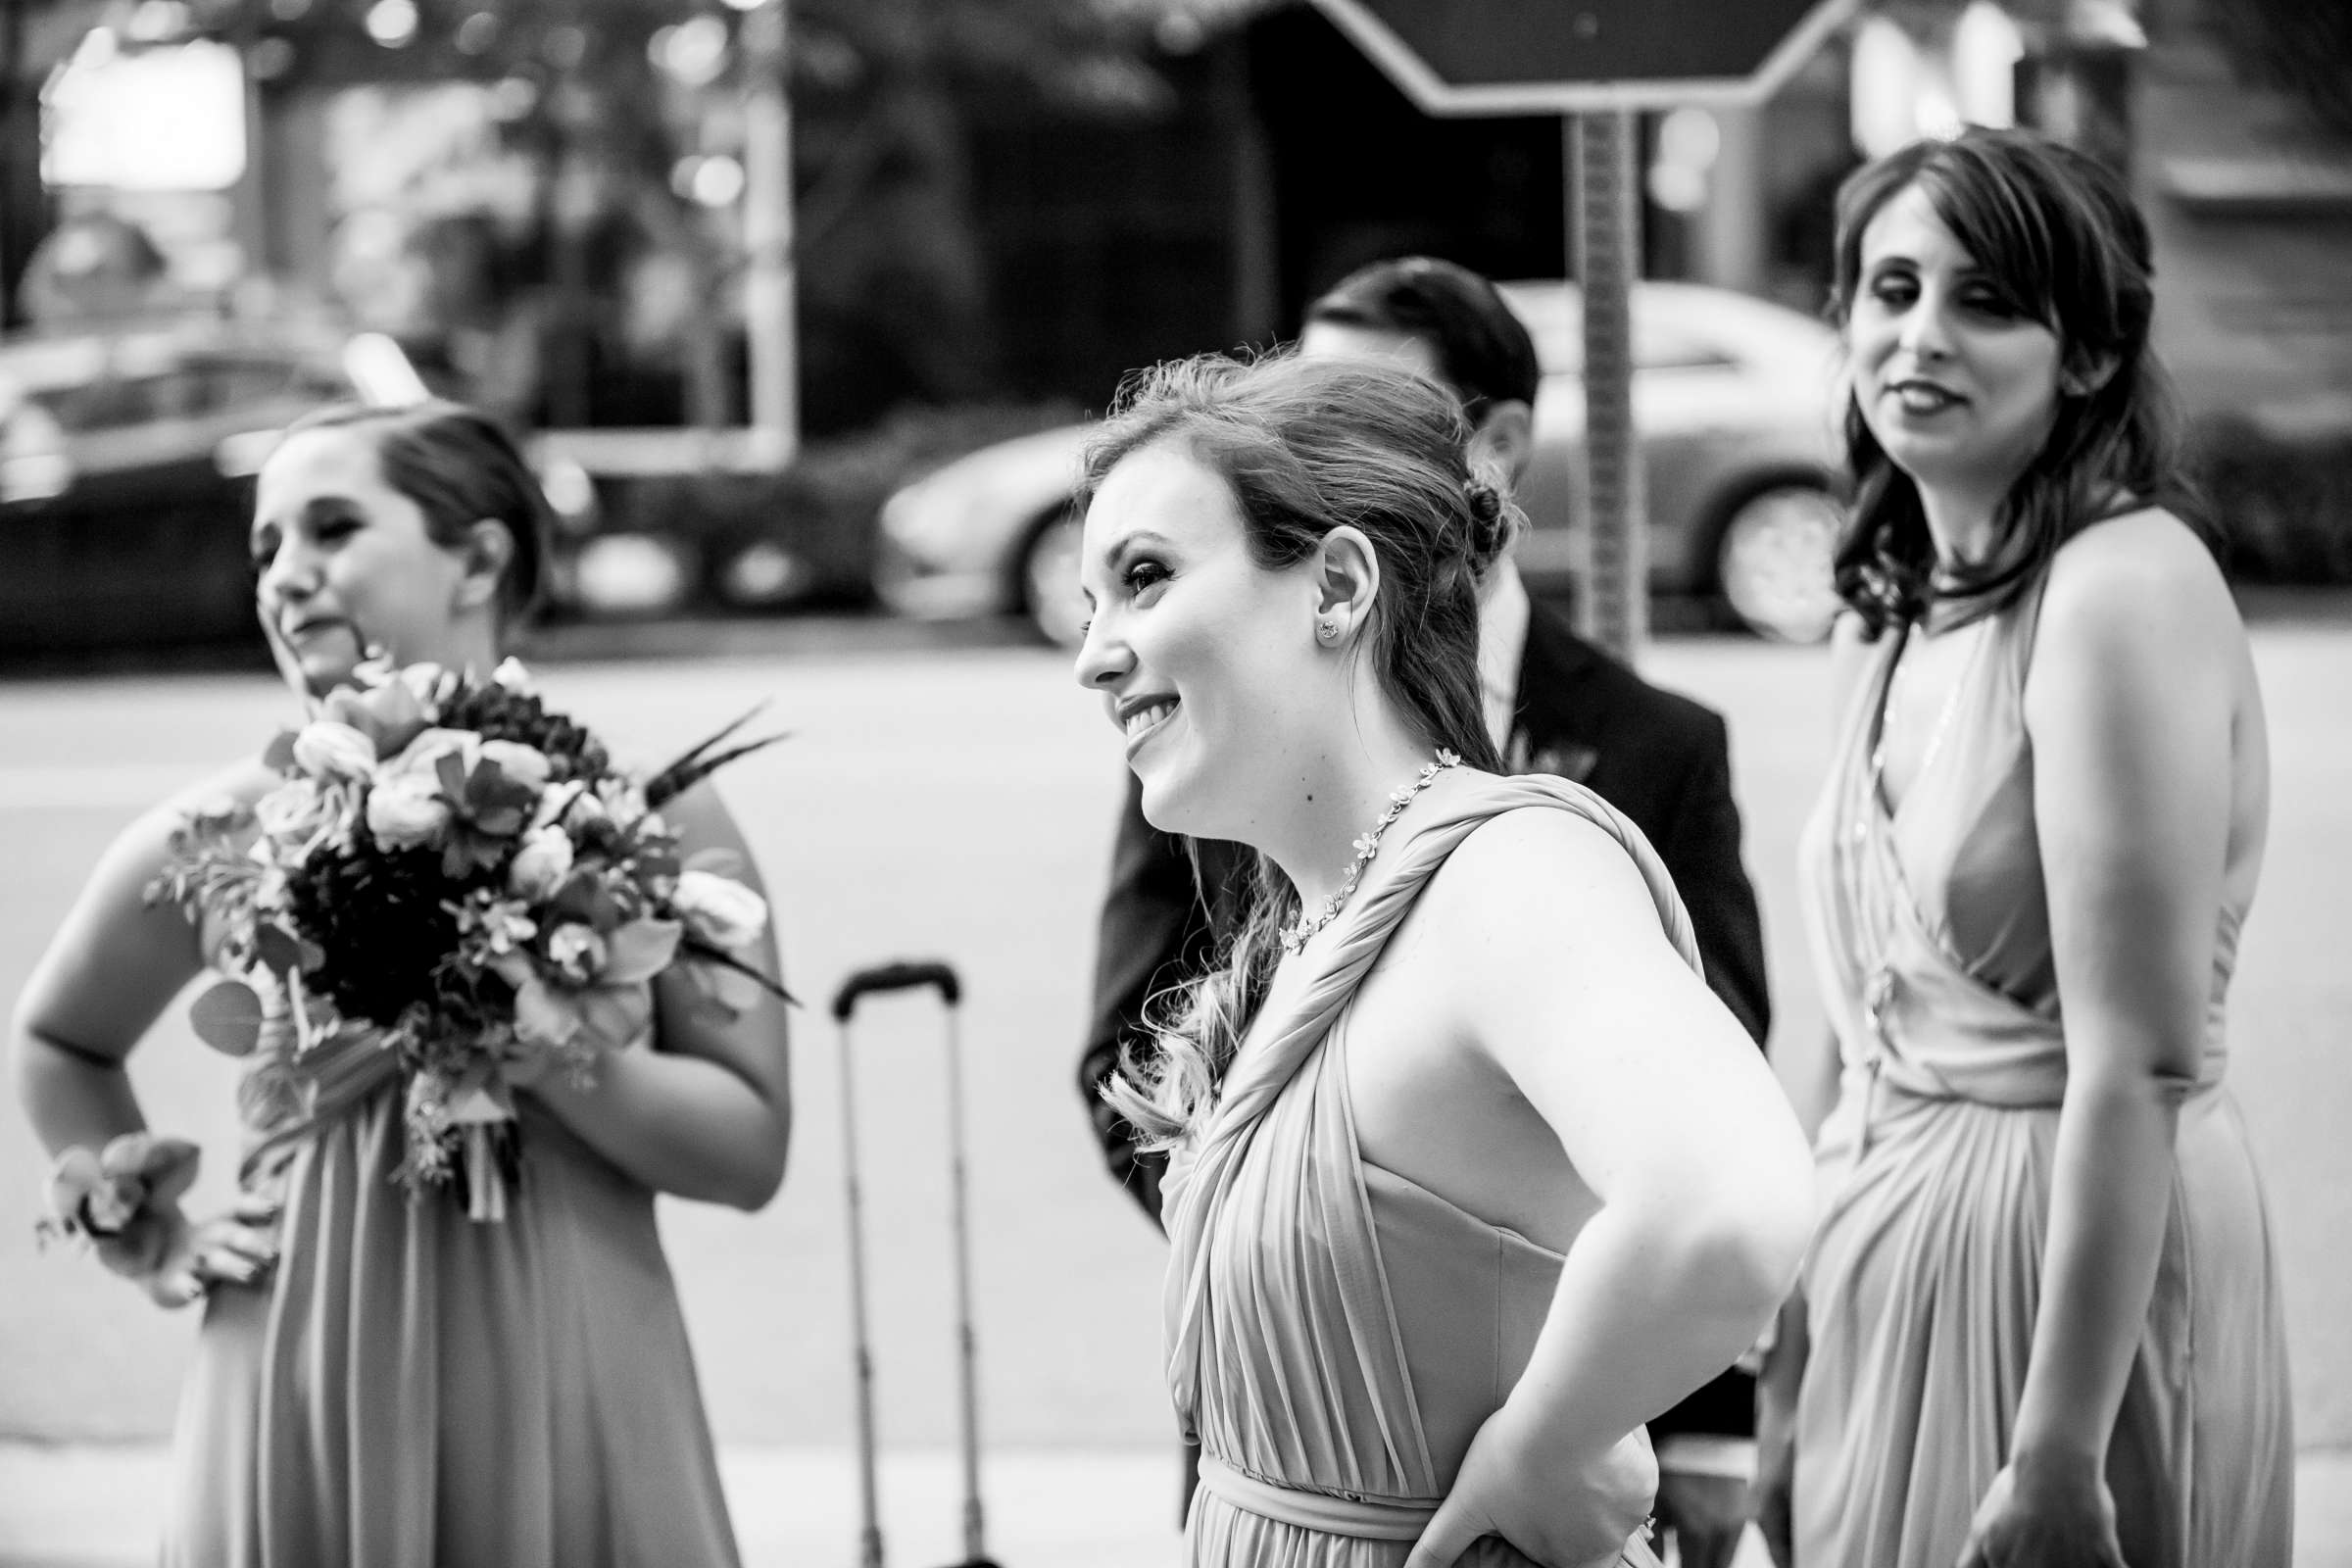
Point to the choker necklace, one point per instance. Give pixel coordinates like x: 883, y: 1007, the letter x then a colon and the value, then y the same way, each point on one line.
x: 1303, y: 928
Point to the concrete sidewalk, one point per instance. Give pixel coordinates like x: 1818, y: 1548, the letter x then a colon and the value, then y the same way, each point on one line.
x: 95, y: 1508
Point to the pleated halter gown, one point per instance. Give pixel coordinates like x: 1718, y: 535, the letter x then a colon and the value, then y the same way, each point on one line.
x: 1337, y: 1333
x: 407, y: 1387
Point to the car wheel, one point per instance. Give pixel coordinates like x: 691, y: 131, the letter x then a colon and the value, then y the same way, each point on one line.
x: 1775, y: 562
x: 1050, y: 591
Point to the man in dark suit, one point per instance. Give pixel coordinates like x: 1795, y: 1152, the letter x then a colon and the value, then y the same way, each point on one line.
x: 1557, y: 705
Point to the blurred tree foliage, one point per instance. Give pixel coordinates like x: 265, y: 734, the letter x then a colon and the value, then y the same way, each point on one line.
x: 2302, y: 46
x: 612, y: 105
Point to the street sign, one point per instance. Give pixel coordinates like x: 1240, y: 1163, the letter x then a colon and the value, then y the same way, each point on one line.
x: 1595, y: 62
x: 1559, y: 56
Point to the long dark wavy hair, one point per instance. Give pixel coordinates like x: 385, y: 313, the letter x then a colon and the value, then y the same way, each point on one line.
x: 2057, y: 235
x: 1307, y: 445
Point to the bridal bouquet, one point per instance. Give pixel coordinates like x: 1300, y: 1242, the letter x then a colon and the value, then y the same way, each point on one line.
x: 462, y: 877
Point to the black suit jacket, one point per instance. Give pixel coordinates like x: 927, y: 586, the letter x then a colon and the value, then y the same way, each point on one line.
x: 1662, y: 760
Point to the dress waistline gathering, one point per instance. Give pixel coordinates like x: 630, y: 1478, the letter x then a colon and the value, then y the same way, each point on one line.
x: 1365, y: 1518
x: 1358, y: 1517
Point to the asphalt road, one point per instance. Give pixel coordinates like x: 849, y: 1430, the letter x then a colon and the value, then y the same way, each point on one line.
x: 957, y: 801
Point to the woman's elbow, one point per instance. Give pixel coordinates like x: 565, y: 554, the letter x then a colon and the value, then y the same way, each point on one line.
x: 1748, y: 1237
x: 755, y: 1179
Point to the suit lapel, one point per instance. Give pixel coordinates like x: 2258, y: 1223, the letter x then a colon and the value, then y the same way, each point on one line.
x: 1553, y: 726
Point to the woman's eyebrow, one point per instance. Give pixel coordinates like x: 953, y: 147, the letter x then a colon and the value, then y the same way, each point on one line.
x: 1120, y: 546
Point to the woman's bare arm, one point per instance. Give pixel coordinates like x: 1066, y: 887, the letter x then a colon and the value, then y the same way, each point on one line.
x: 2131, y: 709
x: 708, y: 1114
x: 113, y: 966
x: 1662, y: 1106
x: 1667, y: 1113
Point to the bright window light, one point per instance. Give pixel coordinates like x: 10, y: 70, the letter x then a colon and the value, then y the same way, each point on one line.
x: 158, y: 119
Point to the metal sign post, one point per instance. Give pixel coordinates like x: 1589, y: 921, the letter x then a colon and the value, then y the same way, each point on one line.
x: 1595, y: 62
x: 1605, y: 242
x: 768, y: 282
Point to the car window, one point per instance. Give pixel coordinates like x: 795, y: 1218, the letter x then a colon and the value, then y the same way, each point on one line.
x: 111, y: 404
x: 232, y: 383
x: 196, y: 388
x: 1663, y: 339
x: 1667, y: 345
x: 1657, y: 346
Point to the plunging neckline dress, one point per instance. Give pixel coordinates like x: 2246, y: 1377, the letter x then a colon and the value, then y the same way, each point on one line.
x: 1929, y: 929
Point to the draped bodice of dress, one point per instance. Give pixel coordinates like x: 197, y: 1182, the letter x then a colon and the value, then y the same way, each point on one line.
x: 1333, y: 1328
x: 1930, y: 921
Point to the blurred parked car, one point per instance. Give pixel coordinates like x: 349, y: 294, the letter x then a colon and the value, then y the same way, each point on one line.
x: 684, y: 525
x: 126, y: 467
x: 1732, y: 397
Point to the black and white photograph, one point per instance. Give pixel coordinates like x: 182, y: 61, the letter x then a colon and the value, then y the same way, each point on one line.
x: 1175, y: 783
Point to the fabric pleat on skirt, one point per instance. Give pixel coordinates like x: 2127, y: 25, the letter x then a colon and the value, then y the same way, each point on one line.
x: 1931, y: 937
x: 411, y: 1388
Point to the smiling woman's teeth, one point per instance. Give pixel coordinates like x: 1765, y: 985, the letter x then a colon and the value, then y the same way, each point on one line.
x: 1918, y: 399
x: 1144, y: 718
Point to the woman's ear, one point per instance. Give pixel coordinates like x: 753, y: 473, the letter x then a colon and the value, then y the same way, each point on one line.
x: 1346, y: 581
x: 1506, y: 435
x: 485, y: 553
x: 2086, y: 377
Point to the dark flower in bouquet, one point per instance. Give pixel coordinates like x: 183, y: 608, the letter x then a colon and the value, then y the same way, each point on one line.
x: 462, y: 876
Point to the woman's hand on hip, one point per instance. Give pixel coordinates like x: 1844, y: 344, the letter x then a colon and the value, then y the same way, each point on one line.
x: 1563, y: 1510
x: 177, y: 1262
x: 2045, y: 1514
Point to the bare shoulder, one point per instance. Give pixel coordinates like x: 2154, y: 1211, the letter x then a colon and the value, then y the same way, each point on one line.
x: 2141, y: 586
x: 705, y: 825
x: 1541, y: 871
x: 147, y: 839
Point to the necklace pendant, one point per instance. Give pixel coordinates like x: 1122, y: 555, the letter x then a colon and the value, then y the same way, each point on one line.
x: 1302, y: 930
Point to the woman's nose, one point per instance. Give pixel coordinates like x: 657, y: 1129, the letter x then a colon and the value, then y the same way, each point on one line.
x: 1103, y: 657
x: 288, y: 575
x: 1925, y: 332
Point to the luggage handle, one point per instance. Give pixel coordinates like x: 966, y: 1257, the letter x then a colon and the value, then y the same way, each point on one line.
x: 903, y: 975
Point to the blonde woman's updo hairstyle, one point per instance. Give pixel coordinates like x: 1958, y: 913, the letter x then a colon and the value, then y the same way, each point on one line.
x: 1307, y: 446
x: 459, y: 467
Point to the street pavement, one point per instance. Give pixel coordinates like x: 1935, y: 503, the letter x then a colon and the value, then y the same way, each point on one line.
x: 957, y: 799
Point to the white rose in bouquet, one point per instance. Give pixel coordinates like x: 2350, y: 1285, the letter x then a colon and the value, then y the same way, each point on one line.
x: 423, y: 754
x: 541, y: 863
x: 524, y: 764
x: 328, y: 749
x: 719, y: 910
x: 406, y: 810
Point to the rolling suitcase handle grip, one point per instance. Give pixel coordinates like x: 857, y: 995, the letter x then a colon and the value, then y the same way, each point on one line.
x: 905, y: 975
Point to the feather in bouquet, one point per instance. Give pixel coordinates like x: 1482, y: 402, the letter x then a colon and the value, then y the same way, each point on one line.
x: 461, y: 878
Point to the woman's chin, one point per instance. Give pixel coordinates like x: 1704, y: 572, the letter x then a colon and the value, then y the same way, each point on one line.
x: 314, y: 672
x: 1167, y: 806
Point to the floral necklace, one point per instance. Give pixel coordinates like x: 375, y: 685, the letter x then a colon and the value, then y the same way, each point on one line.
x: 1302, y: 929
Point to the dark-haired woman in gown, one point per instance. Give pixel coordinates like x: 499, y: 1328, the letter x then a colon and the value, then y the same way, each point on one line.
x: 2041, y: 1319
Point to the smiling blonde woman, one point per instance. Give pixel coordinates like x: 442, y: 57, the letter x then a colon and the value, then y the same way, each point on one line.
x: 1471, y: 1174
